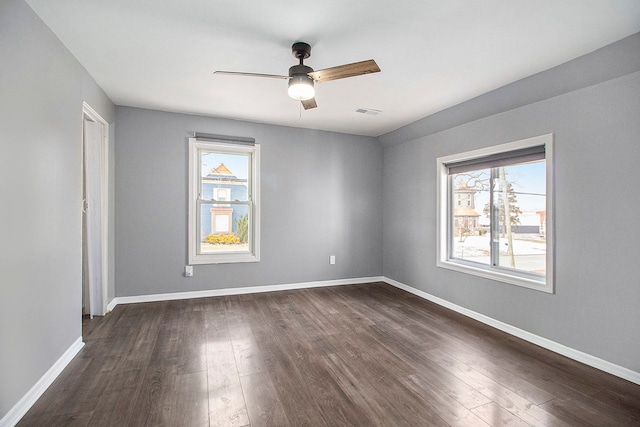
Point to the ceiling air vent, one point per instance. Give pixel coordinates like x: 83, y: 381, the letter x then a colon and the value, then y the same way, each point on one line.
x: 368, y: 111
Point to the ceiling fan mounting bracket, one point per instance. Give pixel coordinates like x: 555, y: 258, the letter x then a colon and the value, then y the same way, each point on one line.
x: 301, y: 50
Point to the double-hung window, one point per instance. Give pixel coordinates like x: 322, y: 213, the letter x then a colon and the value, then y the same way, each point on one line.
x: 224, y: 202
x: 495, y: 212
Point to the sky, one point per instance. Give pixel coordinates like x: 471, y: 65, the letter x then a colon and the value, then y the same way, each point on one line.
x: 527, y: 178
x: 238, y: 164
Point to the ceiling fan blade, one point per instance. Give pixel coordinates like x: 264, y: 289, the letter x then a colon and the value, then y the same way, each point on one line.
x: 309, y: 103
x: 237, y: 73
x: 347, y: 70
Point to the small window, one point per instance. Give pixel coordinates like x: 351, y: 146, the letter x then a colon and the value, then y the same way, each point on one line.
x: 224, y: 208
x: 504, y: 232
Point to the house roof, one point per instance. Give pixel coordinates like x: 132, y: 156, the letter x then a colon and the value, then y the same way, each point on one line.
x: 222, y: 173
x: 222, y: 169
x: 465, y: 212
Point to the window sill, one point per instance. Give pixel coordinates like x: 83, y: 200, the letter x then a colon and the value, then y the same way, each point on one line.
x: 223, y: 259
x: 542, y: 284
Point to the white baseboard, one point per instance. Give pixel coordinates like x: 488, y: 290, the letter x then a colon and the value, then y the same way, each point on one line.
x: 19, y: 409
x: 569, y: 352
x: 239, y: 291
x: 112, y: 304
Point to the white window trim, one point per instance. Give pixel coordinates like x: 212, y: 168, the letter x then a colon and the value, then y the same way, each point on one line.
x: 194, y: 181
x: 442, y: 250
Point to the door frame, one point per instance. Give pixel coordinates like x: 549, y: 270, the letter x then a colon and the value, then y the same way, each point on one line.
x: 90, y: 113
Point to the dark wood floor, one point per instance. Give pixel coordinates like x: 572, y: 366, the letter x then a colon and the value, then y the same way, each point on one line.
x: 361, y: 355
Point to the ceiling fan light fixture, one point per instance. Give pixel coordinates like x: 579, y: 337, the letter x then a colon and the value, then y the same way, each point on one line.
x: 301, y: 87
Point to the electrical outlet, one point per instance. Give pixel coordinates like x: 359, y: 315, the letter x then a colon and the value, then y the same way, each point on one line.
x: 188, y: 271
x: 332, y: 259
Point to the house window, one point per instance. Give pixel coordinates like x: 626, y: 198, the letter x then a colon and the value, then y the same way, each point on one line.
x: 222, y: 194
x: 224, y: 202
x: 505, y: 232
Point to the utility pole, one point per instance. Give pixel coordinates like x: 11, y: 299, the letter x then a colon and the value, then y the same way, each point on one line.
x: 507, y: 217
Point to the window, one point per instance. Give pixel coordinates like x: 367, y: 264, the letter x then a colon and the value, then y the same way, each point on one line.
x: 224, y: 202
x: 505, y: 231
x: 221, y: 194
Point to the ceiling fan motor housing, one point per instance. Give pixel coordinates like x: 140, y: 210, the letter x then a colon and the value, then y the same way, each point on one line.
x: 297, y: 70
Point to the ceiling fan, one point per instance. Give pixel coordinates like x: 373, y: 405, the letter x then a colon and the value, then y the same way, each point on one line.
x: 302, y: 78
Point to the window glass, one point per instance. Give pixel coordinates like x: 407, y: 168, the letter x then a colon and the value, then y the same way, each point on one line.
x: 225, y: 178
x: 519, y: 243
x: 469, y: 234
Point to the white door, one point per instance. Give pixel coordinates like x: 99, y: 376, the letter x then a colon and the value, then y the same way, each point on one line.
x: 93, y: 218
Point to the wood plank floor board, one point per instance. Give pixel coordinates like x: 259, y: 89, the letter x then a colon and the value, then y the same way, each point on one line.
x: 81, y: 419
x: 558, y: 368
x: 226, y: 399
x: 550, y: 377
x: 507, y: 399
x: 495, y: 415
x: 192, y: 356
x: 362, y: 355
x: 458, y: 390
x: 376, y: 354
x: 360, y: 390
x: 623, y: 402
x: 191, y: 400
x: 391, y: 401
x: 296, y: 398
x: 263, y: 405
x: 492, y: 368
x: 589, y: 412
x: 336, y: 405
x: 115, y: 407
x: 156, y: 396
x: 452, y: 412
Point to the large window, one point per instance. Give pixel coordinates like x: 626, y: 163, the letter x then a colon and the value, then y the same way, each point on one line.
x: 495, y: 212
x: 224, y: 202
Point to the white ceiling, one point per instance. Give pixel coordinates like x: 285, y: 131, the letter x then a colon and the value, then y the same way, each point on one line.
x: 433, y: 53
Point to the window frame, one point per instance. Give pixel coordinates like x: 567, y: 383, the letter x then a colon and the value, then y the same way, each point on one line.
x: 445, y: 216
x: 196, y: 146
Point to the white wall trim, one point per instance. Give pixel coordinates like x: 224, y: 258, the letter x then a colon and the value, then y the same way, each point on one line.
x: 112, y: 304
x: 569, y: 352
x: 88, y: 111
x: 240, y: 291
x: 19, y: 409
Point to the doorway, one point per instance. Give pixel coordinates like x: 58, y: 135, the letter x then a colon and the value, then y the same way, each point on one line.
x: 94, y: 213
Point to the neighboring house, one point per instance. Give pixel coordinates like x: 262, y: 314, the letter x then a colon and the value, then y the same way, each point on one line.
x: 464, y: 213
x: 222, y: 185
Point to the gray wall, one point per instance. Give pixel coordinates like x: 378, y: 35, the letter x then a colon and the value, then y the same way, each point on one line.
x: 41, y: 92
x: 321, y: 195
x: 597, y: 150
